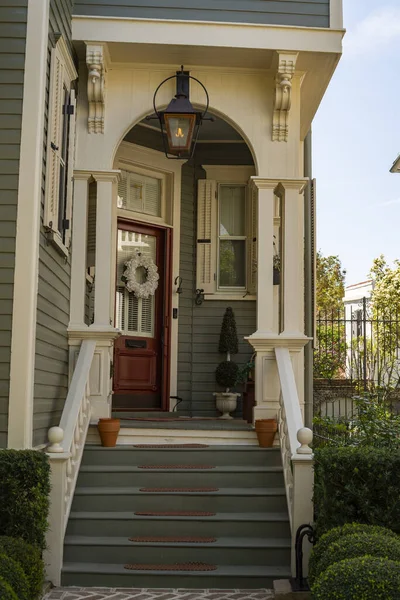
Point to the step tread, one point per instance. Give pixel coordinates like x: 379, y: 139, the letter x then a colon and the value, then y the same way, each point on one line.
x: 221, y: 571
x: 171, y: 469
x: 209, y: 448
x: 133, y: 491
x: 248, y: 517
x: 221, y: 542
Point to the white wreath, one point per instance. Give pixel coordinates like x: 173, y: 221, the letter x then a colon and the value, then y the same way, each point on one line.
x: 148, y: 288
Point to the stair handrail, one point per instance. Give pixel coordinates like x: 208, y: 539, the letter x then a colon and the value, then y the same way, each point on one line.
x: 67, y: 442
x: 297, y: 456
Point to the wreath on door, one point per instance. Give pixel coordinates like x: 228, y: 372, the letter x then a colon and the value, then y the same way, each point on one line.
x: 149, y: 286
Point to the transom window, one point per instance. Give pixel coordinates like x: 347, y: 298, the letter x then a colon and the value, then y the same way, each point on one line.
x: 140, y: 193
x: 232, y: 236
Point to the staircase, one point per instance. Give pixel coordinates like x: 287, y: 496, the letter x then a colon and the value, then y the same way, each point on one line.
x: 239, y: 529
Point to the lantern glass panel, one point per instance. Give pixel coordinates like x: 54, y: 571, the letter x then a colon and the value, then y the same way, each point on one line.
x: 179, y: 131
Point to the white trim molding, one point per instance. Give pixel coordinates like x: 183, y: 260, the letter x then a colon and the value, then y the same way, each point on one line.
x: 283, y: 95
x: 22, y: 368
x: 97, y: 60
x: 336, y: 14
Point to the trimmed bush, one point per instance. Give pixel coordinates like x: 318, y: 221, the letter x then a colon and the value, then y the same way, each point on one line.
x: 359, y: 544
x: 364, y: 578
x: 24, y: 495
x: 13, y: 574
x: 337, y: 534
x: 6, y: 592
x: 29, y: 558
x: 227, y: 374
x: 356, y: 485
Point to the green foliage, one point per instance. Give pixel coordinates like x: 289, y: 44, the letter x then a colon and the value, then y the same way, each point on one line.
x: 357, y: 484
x: 13, y: 574
x: 29, y: 558
x: 363, y: 578
x: 335, y: 535
x: 330, y: 357
x: 24, y: 495
x: 226, y: 374
x: 6, y: 592
x: 359, y: 544
x: 245, y: 371
x: 228, y: 339
x: 330, y: 283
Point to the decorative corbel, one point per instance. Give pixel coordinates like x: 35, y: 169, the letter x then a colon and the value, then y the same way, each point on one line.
x: 96, y: 60
x: 283, y: 95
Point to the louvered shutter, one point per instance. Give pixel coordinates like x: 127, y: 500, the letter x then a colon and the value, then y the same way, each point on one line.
x: 314, y: 257
x: 91, y: 231
x: 71, y: 163
x: 54, y: 135
x: 206, y: 236
x: 252, y: 240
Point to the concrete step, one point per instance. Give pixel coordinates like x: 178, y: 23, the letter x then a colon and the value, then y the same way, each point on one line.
x: 261, y: 524
x: 224, y: 577
x: 227, y: 550
x: 227, y: 476
x: 211, y: 455
x: 224, y: 500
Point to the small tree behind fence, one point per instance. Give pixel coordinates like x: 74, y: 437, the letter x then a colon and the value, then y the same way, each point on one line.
x: 357, y: 351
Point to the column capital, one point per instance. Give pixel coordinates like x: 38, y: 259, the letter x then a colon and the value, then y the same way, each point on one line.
x: 267, y: 183
x: 294, y: 184
x: 111, y: 176
x: 82, y: 175
x: 264, y: 183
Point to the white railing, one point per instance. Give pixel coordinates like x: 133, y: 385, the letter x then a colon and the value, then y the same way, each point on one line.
x: 297, y: 456
x: 65, y: 453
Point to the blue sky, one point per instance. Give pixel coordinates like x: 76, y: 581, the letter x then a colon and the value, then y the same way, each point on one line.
x: 356, y: 137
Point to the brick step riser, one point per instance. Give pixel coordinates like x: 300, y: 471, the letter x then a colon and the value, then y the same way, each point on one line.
x: 124, y: 527
x: 211, y: 478
x: 169, y: 554
x: 178, y: 502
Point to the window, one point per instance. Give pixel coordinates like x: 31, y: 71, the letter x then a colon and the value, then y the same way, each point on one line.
x: 139, y: 193
x: 227, y: 235
x: 60, y: 147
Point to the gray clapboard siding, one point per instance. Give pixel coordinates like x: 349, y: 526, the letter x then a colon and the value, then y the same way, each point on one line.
x: 199, y: 326
x: 13, y: 18
x: 310, y: 13
x: 51, y: 358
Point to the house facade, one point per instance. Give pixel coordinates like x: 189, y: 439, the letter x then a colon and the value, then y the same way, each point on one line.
x: 87, y: 186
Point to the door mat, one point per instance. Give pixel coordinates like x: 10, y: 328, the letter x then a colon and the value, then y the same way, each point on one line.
x: 176, y: 467
x: 187, y: 539
x: 192, y: 566
x: 184, y: 490
x: 175, y: 513
x: 170, y: 446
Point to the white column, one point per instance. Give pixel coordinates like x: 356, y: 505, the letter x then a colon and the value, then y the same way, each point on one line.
x: 79, y: 248
x: 293, y: 258
x: 265, y: 237
x: 104, y: 250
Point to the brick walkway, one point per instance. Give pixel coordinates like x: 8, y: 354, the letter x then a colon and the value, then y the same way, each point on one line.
x: 155, y: 594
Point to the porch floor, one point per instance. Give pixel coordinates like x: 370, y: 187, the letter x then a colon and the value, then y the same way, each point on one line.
x: 75, y: 593
x: 186, y: 424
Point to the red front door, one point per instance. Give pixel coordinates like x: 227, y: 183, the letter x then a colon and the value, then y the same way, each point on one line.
x: 141, y: 353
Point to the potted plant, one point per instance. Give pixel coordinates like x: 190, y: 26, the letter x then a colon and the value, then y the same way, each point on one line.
x: 266, y: 430
x: 227, y: 371
x: 108, y: 431
x: 277, y: 269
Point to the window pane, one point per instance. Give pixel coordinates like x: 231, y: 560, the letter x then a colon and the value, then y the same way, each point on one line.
x: 232, y: 210
x: 232, y: 263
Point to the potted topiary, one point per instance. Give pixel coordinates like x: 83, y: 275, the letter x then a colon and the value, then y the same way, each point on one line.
x: 227, y: 371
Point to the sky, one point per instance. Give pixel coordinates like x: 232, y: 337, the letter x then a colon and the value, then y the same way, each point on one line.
x: 356, y: 138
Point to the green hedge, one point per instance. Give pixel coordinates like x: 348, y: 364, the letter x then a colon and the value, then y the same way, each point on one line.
x: 29, y: 558
x: 365, y: 578
x: 336, y: 534
x: 13, y: 574
x: 6, y: 592
x: 356, y: 485
x: 24, y: 495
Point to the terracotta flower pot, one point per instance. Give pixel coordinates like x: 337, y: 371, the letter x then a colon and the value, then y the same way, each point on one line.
x: 108, y: 430
x: 266, y: 429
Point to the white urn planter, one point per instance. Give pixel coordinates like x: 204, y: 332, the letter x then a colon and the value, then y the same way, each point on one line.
x: 226, y: 403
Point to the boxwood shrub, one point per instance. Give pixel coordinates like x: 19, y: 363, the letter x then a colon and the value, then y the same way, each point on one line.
x: 337, y: 534
x: 24, y: 495
x: 29, y: 558
x: 13, y: 574
x: 359, y: 544
x: 363, y: 578
x: 355, y: 484
x: 6, y: 592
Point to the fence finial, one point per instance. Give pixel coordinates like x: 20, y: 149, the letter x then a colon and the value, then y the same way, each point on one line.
x: 304, y: 437
x: 55, y: 436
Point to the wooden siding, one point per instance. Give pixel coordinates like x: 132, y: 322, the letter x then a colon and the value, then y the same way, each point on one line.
x: 51, y: 360
x: 199, y: 326
x: 310, y: 13
x: 13, y: 17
